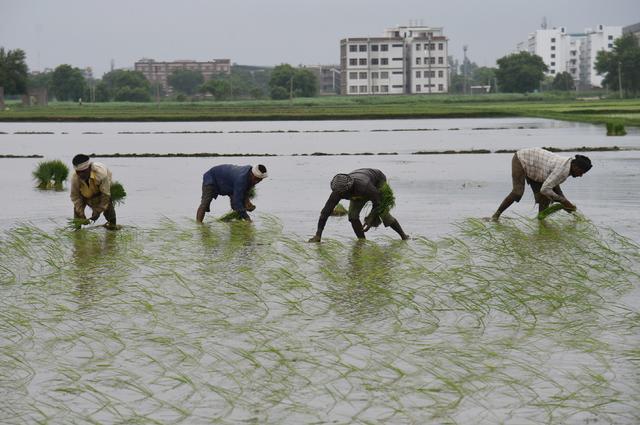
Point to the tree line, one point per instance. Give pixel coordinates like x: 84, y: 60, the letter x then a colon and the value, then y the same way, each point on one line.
x: 521, y: 72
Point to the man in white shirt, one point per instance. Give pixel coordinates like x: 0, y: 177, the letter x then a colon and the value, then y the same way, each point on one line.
x: 544, y: 171
x: 91, y: 185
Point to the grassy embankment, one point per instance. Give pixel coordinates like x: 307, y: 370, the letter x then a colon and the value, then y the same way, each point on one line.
x: 548, y: 105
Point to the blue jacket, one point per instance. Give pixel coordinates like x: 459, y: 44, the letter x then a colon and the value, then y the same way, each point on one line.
x: 230, y: 180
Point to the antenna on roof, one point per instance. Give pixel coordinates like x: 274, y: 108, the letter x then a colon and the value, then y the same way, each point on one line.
x: 544, y: 23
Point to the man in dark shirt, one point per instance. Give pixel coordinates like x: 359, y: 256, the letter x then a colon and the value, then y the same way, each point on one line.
x: 358, y: 187
x: 234, y: 181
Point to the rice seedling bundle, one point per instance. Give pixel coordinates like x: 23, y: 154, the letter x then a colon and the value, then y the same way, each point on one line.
x: 616, y: 129
x: 339, y: 211
x: 118, y: 194
x: 51, y: 174
x: 234, y: 215
x: 387, y: 202
x: 549, y: 210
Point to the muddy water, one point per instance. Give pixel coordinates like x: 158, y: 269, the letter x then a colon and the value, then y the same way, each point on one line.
x: 469, y: 322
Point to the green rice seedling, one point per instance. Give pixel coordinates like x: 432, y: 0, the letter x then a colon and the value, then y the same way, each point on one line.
x: 339, y: 210
x: 233, y: 215
x: 51, y: 174
x: 387, y: 202
x: 118, y: 194
x: 549, y: 210
x: 615, y: 129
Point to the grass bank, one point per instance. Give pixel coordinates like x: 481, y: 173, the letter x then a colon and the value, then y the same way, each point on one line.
x: 547, y: 105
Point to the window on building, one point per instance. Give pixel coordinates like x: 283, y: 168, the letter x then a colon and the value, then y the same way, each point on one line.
x: 384, y: 47
x: 362, y: 61
x: 440, y: 60
x: 440, y: 74
x: 353, y: 75
x: 417, y: 87
x: 553, y: 55
x: 553, y: 40
x: 374, y: 89
x: 384, y: 75
x: 553, y: 47
x: 396, y: 45
x: 353, y: 48
x: 353, y: 61
x: 610, y: 45
x: 418, y: 74
x: 374, y: 75
x: 553, y: 71
x: 374, y: 47
x: 384, y: 89
x: 553, y: 64
x: 440, y: 46
x: 418, y: 45
x: 353, y: 89
x: 397, y: 72
x: 433, y: 61
x: 374, y: 61
x: 363, y: 75
x: 610, y: 37
x: 362, y: 47
x: 384, y: 61
x: 396, y: 59
x: 363, y: 89
x: 418, y: 61
x: 440, y: 87
x: 397, y: 86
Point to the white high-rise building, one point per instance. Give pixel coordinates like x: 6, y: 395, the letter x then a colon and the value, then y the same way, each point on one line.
x: 574, y: 53
x: 407, y: 59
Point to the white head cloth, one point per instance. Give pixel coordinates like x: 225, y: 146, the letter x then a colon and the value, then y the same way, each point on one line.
x: 83, y: 166
x: 259, y: 174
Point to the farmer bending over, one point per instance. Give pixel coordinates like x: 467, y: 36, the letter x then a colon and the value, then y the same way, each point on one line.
x: 358, y: 187
x: 234, y: 181
x: 91, y: 185
x: 544, y: 171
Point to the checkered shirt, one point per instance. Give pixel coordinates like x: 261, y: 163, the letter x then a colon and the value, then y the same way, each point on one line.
x: 545, y: 167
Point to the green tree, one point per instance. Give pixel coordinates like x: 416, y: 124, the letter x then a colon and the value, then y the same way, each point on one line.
x: 299, y: 82
x: 220, y: 89
x: 520, y: 72
x: 623, y: 60
x: 67, y: 83
x: 124, y: 86
x: 13, y: 71
x: 484, y: 76
x: 563, y: 82
x: 185, y: 81
x: 40, y: 80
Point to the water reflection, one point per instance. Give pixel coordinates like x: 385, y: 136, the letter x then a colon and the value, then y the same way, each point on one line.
x: 363, y: 285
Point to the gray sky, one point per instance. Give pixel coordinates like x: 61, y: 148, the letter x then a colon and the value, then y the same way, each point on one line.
x: 269, y: 32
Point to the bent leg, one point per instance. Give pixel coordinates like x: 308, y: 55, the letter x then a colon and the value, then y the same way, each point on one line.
x: 517, y: 180
x: 208, y: 193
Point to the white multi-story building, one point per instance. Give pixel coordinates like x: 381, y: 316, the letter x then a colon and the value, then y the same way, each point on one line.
x: 409, y: 59
x: 574, y: 53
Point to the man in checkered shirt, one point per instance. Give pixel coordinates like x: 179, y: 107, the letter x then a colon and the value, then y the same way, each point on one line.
x: 544, y: 171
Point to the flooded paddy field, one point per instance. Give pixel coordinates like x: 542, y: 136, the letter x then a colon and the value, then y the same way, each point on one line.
x: 469, y: 321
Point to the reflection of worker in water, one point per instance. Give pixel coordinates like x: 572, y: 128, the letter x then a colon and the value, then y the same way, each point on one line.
x: 544, y: 171
x: 358, y: 187
x: 91, y: 185
x: 234, y: 181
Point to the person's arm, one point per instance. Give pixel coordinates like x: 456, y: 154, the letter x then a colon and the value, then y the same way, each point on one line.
x: 557, y: 176
x: 331, y: 203
x: 105, y: 196
x: 78, y: 204
x: 240, y: 189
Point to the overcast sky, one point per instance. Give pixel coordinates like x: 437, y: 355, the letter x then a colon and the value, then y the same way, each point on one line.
x: 269, y: 32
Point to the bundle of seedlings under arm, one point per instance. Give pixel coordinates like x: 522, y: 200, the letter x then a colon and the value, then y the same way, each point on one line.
x: 234, y: 215
x: 51, y: 174
x: 387, y: 202
x: 118, y: 194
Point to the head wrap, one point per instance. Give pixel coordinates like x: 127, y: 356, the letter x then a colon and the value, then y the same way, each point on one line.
x: 260, y: 171
x: 81, y: 162
x: 583, y: 162
x: 341, y: 183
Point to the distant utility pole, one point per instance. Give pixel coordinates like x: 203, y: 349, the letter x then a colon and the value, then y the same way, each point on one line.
x: 291, y: 89
x: 429, y: 53
x: 620, y: 78
x: 464, y: 69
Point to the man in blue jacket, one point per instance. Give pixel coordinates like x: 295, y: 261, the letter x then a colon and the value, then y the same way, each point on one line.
x: 234, y: 181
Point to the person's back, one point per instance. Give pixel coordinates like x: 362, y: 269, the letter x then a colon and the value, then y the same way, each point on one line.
x: 365, y: 180
x: 224, y: 177
x: 539, y: 163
